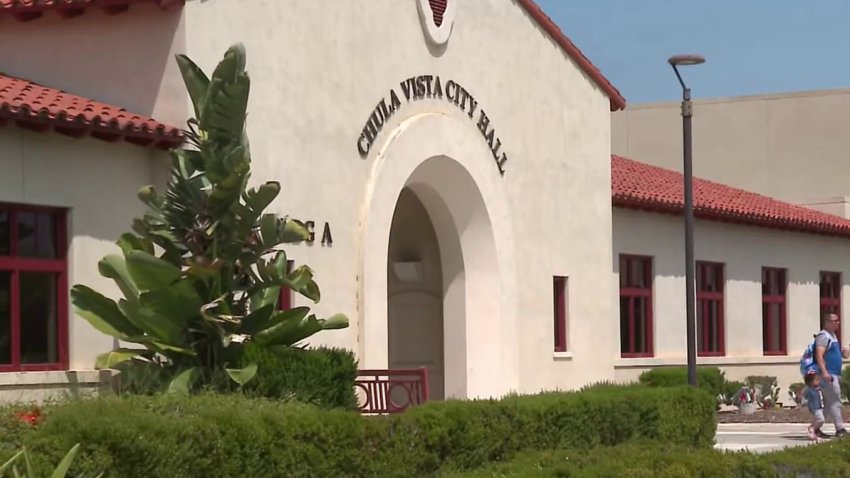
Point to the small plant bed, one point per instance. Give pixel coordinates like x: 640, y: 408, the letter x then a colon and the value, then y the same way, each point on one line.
x: 772, y: 415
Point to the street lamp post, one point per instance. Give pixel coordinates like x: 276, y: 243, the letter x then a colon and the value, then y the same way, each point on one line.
x: 690, y: 283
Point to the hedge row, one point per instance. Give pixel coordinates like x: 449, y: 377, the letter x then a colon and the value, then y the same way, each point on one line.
x: 236, y: 436
x: 659, y: 460
x: 322, y: 376
x: 710, y: 379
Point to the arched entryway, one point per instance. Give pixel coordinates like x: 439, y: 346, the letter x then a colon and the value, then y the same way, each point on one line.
x: 415, y: 293
x: 434, y: 166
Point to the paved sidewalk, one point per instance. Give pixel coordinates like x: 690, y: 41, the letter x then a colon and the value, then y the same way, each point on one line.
x: 763, y: 437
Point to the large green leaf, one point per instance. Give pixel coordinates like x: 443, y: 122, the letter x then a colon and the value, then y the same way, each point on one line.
x: 10, y: 462
x: 65, y: 465
x: 179, y: 302
x: 268, y: 296
x: 150, y: 272
x: 260, y: 198
x: 182, y: 383
x: 103, y: 313
x: 130, y: 242
x: 242, y: 375
x: 161, y: 327
x: 257, y: 320
x: 196, y: 82
x: 297, y: 328
x: 334, y: 322
x: 114, y: 357
x: 114, y: 267
x: 224, y: 111
x: 263, y: 329
x: 294, y: 231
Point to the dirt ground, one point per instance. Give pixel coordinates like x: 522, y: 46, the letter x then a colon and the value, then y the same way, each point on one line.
x: 776, y: 415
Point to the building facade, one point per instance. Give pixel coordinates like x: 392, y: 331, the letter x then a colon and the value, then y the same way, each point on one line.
x: 453, y: 158
x: 766, y: 271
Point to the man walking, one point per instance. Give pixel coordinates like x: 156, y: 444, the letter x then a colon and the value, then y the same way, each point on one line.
x: 828, y: 354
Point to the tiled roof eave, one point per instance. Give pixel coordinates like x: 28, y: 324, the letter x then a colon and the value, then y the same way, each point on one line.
x: 70, y: 126
x: 27, y: 10
x: 648, y: 205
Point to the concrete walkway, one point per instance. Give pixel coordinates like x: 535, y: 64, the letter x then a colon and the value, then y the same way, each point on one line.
x: 763, y: 437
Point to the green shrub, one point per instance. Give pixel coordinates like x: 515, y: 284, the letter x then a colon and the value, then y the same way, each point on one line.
x: 710, y: 379
x: 645, y: 459
x: 323, y: 376
x: 653, y: 459
x: 237, y: 436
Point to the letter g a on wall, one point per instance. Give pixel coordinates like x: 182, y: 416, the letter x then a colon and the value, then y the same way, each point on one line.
x: 437, y: 17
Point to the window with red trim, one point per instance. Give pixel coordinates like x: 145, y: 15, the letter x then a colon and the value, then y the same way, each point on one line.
x: 773, y: 311
x: 635, y: 306
x: 33, y: 289
x: 830, y: 296
x: 710, y: 285
x: 559, y: 294
x: 286, y: 294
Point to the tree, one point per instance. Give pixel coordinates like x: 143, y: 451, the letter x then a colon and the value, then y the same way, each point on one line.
x: 202, y: 271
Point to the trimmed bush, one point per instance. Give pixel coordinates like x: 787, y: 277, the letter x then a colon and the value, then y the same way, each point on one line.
x: 710, y: 379
x: 323, y: 377
x: 237, y: 436
x: 660, y: 460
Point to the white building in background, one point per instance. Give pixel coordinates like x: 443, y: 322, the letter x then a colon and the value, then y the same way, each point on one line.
x: 766, y: 270
x: 453, y: 156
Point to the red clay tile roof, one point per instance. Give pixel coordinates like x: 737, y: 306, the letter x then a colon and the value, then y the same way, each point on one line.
x: 637, y: 185
x: 26, y: 10
x: 40, y: 108
x: 618, y: 102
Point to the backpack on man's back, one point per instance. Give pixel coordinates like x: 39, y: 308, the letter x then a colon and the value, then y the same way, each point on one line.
x: 808, y: 363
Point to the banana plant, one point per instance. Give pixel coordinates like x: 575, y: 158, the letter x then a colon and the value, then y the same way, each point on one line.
x: 201, y: 272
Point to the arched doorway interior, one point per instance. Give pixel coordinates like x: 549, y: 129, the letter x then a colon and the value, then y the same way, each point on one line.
x: 415, y: 293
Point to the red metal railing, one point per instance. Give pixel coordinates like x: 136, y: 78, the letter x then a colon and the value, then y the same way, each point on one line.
x: 391, y: 391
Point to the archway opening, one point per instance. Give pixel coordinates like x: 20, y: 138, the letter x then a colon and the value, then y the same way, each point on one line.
x: 415, y: 293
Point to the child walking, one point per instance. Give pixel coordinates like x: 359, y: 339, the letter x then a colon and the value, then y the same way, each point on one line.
x: 814, y: 399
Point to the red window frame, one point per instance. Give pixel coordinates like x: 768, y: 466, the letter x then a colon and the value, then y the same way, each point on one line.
x: 286, y: 297
x: 559, y: 295
x: 830, y: 296
x: 632, y: 292
x: 774, y: 291
x: 18, y: 264
x: 706, y: 297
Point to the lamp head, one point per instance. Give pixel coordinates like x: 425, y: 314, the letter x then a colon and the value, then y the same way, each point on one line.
x: 685, y: 60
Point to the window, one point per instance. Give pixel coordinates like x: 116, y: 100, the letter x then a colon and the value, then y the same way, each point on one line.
x: 33, y: 289
x: 559, y: 285
x: 286, y: 294
x: 710, y: 340
x: 635, y: 306
x: 830, y: 296
x: 773, y: 308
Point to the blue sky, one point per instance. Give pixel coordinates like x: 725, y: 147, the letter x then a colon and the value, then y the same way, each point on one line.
x: 750, y: 46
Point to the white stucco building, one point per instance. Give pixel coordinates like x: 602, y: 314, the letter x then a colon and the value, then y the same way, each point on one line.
x: 454, y: 157
x: 766, y: 271
x: 453, y: 112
